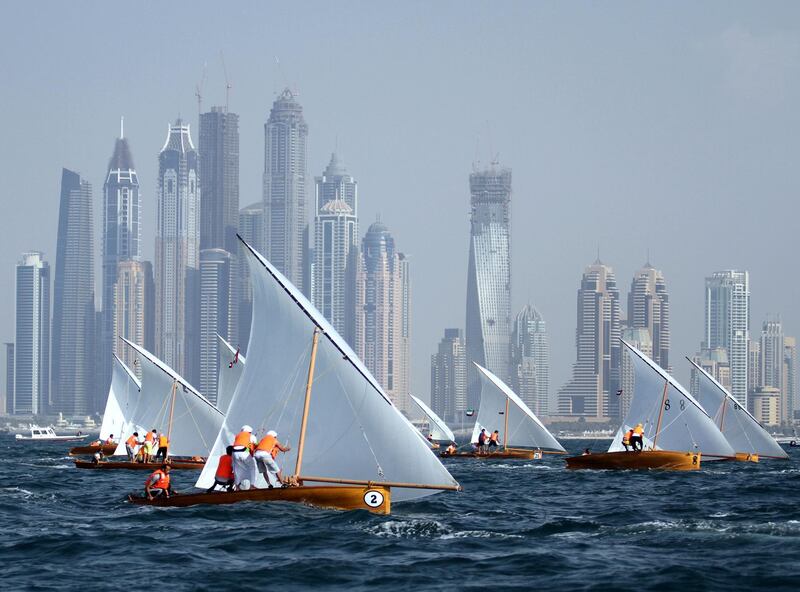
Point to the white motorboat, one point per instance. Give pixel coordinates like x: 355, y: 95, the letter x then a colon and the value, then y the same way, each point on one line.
x: 48, y: 434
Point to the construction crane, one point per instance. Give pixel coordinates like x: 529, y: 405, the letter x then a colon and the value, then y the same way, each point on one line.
x: 227, y: 82
x: 198, y: 89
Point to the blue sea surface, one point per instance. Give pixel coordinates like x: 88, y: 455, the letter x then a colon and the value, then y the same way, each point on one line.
x: 518, y: 525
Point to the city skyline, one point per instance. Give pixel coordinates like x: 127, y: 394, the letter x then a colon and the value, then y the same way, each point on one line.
x: 537, y: 132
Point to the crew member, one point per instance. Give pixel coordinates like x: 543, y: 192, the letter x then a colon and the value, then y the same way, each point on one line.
x: 494, y: 439
x: 149, y: 442
x: 637, y: 438
x: 482, y: 437
x: 265, y: 454
x: 110, y: 439
x: 224, y: 475
x: 244, y: 467
x: 131, y: 444
x: 451, y: 449
x: 431, y: 441
x: 626, y: 439
x: 158, y: 483
x: 163, y: 445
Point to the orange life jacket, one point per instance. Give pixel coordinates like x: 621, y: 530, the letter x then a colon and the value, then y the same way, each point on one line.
x: 131, y: 442
x: 626, y: 437
x: 494, y: 436
x: 150, y: 437
x: 243, y: 439
x: 162, y: 481
x: 225, y: 468
x: 270, y: 444
x: 162, y: 441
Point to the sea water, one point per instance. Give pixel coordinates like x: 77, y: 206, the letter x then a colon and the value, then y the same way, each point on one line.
x: 518, y: 525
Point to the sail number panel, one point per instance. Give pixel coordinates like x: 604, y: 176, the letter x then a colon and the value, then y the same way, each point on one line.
x: 373, y: 498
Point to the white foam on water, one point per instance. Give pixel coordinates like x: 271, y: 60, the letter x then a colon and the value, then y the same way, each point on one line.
x: 16, y: 490
x: 428, y: 529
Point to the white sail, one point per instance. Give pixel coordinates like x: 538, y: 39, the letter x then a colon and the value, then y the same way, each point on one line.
x: 353, y: 431
x: 740, y: 428
x: 121, y: 396
x: 436, y: 426
x: 524, y: 428
x: 231, y: 364
x: 195, y: 421
x: 684, y: 424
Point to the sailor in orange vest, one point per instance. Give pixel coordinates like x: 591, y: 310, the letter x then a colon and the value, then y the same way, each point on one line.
x: 626, y: 439
x: 637, y: 438
x: 266, y: 452
x: 131, y: 444
x: 224, y: 474
x: 451, y: 449
x: 163, y: 445
x: 149, y: 443
x: 158, y: 483
x: 494, y: 439
x: 244, y: 467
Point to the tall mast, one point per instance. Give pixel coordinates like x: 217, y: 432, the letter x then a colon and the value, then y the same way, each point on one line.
x: 172, y: 410
x: 660, y: 414
x: 309, y: 382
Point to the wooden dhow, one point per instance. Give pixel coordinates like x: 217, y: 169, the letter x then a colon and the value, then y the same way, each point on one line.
x: 437, y: 428
x: 522, y: 435
x: 169, y: 404
x: 318, y: 396
x: 678, y: 432
x: 174, y: 463
x: 743, y: 431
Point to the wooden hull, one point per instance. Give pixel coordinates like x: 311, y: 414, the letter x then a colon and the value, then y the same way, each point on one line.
x: 108, y: 449
x: 511, y: 453
x: 374, y: 499
x: 134, y: 466
x: 746, y: 457
x: 649, y: 459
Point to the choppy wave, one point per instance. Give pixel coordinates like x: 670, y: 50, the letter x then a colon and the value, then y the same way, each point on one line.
x: 517, y: 525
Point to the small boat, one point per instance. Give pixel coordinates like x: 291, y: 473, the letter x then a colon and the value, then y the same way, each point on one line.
x: 522, y: 434
x: 350, y: 447
x: 47, y: 434
x: 678, y: 432
x: 90, y: 449
x: 437, y: 428
x: 743, y: 431
x: 168, y: 403
x: 174, y: 463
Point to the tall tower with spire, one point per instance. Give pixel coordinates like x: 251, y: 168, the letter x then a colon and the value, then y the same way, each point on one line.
x: 648, y: 308
x: 591, y: 392
x: 335, y: 239
x: 177, y: 265
x: 488, y: 323
x: 122, y: 241
x: 286, y: 224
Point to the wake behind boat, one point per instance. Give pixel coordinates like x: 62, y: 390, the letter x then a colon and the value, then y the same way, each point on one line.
x: 676, y: 432
x: 304, y: 382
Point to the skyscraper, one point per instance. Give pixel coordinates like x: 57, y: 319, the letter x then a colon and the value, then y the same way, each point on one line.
x: 591, y: 392
x: 31, y: 374
x: 449, y: 376
x: 488, y: 324
x: 727, y: 323
x: 73, y: 356
x: 251, y: 229
x: 648, y: 308
x: 219, y: 215
x: 219, y: 180
x: 178, y: 254
x: 530, y: 359
x: 790, y: 375
x: 8, y: 404
x: 133, y: 292
x: 772, y: 365
x: 382, y: 323
x: 216, y: 273
x: 286, y: 225
x: 122, y: 241
x: 335, y: 239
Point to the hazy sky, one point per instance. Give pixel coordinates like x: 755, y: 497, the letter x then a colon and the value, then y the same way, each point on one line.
x: 628, y: 125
